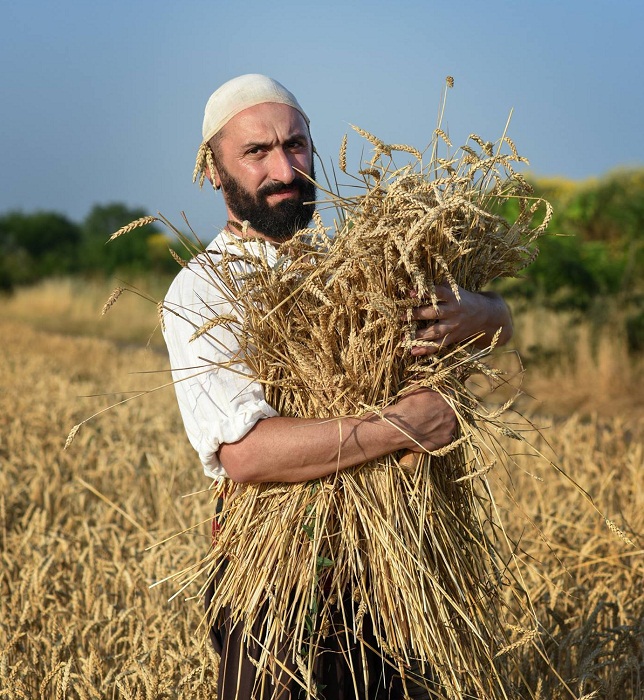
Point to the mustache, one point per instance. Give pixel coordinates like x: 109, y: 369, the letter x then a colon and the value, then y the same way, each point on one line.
x: 276, y: 187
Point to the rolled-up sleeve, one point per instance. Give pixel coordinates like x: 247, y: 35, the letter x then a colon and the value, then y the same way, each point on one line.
x: 218, y: 404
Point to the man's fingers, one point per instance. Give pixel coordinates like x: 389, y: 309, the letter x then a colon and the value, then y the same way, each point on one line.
x: 426, y: 313
x: 425, y: 349
x: 432, y: 338
x: 430, y: 333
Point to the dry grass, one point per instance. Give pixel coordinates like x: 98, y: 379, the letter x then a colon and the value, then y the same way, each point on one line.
x: 73, y: 305
x: 76, y: 610
x: 567, y: 621
x: 587, y: 574
x: 588, y: 363
x: 77, y: 616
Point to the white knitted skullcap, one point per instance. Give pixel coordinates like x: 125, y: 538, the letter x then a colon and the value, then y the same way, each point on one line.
x: 241, y: 93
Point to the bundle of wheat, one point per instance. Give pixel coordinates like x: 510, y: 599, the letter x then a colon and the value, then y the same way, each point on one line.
x: 413, y: 545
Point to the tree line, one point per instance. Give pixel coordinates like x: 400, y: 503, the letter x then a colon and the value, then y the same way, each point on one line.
x: 46, y: 244
x: 591, y: 262
x: 593, y: 253
x: 595, y: 241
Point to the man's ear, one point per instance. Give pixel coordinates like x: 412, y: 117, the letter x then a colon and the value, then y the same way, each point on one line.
x: 216, y: 183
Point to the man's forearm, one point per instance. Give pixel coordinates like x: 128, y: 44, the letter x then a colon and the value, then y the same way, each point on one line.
x: 298, y: 449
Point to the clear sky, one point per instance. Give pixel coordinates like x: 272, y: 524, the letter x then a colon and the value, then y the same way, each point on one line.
x: 103, y: 101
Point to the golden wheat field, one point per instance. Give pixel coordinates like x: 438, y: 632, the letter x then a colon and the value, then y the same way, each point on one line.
x: 78, y: 616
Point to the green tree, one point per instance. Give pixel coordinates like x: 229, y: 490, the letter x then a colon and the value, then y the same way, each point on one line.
x: 130, y: 252
x: 36, y: 245
x: 611, y: 211
x: 593, y: 250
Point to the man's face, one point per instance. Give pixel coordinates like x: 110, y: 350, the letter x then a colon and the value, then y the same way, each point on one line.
x: 256, y: 158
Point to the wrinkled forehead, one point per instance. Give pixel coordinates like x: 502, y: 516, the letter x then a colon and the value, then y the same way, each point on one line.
x: 268, y: 122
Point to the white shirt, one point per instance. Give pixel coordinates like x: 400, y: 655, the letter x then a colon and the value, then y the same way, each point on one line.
x: 218, y: 405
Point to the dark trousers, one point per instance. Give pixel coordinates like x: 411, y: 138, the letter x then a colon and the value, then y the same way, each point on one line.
x: 339, y: 669
x: 239, y: 679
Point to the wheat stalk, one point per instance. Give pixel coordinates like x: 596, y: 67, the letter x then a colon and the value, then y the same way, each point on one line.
x: 143, y: 221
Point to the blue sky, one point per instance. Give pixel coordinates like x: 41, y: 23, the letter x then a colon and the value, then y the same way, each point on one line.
x: 103, y: 101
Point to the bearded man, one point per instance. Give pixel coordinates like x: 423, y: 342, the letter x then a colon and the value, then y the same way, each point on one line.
x: 256, y: 142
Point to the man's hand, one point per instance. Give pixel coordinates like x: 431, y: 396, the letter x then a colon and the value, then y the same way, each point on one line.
x: 425, y: 420
x: 476, y: 314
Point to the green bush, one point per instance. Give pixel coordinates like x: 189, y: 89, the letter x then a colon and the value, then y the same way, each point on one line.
x: 594, y: 248
x: 45, y: 244
x: 33, y: 246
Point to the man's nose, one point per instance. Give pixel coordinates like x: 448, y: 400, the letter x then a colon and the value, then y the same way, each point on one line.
x: 281, y: 167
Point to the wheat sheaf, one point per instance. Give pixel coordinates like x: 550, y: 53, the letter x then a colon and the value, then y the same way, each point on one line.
x: 414, y: 545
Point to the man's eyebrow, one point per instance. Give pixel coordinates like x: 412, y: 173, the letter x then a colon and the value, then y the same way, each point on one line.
x: 296, y: 135
x: 254, y: 144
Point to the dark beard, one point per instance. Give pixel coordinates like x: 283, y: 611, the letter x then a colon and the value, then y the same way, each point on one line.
x: 279, y: 221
